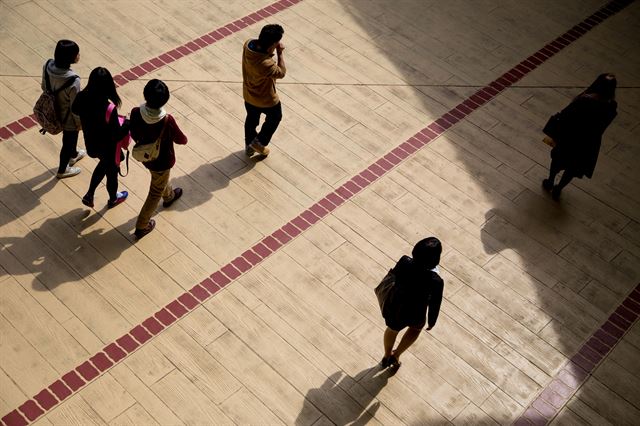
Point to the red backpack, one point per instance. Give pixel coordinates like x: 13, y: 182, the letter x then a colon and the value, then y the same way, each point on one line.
x: 45, y: 109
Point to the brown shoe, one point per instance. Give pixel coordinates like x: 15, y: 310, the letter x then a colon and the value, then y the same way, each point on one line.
x: 259, y: 148
x: 144, y: 231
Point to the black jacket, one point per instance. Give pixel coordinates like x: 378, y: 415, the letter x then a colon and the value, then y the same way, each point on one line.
x: 100, y: 137
x: 582, y: 124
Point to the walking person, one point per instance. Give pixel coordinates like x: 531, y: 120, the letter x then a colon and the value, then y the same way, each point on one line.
x: 259, y: 74
x: 150, y: 122
x: 101, y: 136
x: 579, y: 131
x: 418, y: 288
x: 66, y: 84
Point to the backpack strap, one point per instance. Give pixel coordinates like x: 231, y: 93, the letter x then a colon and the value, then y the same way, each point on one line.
x: 66, y: 84
x: 127, y: 163
x: 164, y: 126
x: 47, y: 81
x: 46, y: 76
x: 110, y: 108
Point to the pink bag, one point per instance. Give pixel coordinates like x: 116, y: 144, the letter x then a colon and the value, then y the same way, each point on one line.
x: 122, y: 144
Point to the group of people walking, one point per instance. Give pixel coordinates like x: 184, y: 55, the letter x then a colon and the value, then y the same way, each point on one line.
x: 94, y: 110
x: 416, y: 288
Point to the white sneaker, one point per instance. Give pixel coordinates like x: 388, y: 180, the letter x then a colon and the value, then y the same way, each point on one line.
x: 71, y: 171
x: 81, y: 154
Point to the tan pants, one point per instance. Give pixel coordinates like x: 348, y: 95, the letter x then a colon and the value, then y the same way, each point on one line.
x: 159, y: 188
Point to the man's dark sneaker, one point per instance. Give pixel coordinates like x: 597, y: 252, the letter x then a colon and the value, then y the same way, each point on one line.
x: 144, y: 231
x: 177, y: 193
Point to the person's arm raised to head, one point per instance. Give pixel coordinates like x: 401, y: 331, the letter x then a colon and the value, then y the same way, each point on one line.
x: 281, y: 64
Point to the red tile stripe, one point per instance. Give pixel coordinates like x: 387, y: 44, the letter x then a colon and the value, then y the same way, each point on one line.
x: 568, y: 379
x: 554, y: 397
x: 16, y: 127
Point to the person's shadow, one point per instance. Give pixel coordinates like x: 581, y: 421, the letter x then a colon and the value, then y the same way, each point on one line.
x: 342, y: 407
x: 27, y: 194
x: 200, y: 184
x: 58, y: 251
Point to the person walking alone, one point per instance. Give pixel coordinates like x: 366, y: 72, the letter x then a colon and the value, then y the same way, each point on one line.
x: 579, y: 133
x: 418, y: 288
x: 259, y: 74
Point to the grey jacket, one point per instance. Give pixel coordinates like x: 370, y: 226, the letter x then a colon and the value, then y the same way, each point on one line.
x: 57, y: 77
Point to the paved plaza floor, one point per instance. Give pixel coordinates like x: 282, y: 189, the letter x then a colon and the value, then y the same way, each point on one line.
x: 252, y: 301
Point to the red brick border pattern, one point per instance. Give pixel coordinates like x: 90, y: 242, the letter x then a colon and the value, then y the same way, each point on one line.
x: 553, y: 397
x: 194, y: 45
x: 115, y: 352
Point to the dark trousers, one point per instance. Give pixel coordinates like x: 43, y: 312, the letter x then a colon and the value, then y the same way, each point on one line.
x: 554, y: 169
x: 273, y: 117
x: 69, y: 148
x: 105, y: 167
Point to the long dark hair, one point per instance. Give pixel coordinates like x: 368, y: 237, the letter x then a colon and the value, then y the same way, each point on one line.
x: 102, y: 87
x: 603, y: 88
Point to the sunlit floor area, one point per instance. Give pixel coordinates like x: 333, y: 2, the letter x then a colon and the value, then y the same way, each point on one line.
x: 252, y: 301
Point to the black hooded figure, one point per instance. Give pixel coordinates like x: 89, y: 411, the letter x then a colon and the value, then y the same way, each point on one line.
x: 579, y: 135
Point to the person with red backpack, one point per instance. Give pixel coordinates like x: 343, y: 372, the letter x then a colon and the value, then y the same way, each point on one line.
x: 97, y: 107
x: 59, y: 78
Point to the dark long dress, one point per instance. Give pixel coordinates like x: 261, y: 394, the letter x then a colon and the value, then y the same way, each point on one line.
x: 582, y: 124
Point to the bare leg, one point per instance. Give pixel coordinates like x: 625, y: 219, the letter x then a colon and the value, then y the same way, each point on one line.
x: 409, y: 337
x: 389, y: 340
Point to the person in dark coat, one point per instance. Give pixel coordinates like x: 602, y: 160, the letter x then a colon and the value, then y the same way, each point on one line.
x: 581, y: 125
x: 101, y: 137
x: 418, y: 289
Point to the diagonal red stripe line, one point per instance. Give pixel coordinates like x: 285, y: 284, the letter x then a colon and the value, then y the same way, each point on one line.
x: 187, y: 48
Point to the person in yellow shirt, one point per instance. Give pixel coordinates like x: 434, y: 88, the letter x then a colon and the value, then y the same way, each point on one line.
x: 259, y: 74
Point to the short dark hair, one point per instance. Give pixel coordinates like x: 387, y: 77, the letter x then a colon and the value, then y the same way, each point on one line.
x: 270, y: 34
x: 156, y: 93
x: 102, y: 87
x: 66, y: 53
x: 427, y: 252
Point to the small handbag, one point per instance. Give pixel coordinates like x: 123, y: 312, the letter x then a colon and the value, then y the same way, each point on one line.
x: 384, y: 291
x: 149, y: 151
x: 548, y: 141
x: 123, y: 144
x: 553, y: 128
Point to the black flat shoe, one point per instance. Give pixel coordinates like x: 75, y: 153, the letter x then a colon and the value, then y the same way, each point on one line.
x: 385, y: 361
x: 547, y: 184
x: 393, y: 362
